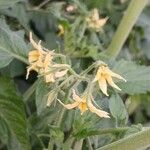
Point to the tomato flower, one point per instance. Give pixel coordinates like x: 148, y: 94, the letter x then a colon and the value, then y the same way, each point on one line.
x: 83, y: 105
x: 104, y: 75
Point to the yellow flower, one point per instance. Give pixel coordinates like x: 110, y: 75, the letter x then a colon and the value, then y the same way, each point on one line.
x: 61, y: 30
x: 35, y: 57
x: 83, y: 105
x: 94, y: 21
x: 104, y: 75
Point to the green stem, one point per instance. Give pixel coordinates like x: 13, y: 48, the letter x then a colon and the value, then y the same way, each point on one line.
x: 131, y: 15
x: 105, y: 131
x: 30, y: 91
x: 89, y: 143
x: 140, y: 140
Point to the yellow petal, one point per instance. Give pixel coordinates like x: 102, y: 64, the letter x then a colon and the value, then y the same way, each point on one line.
x: 69, y: 106
x: 111, y: 82
x: 76, y: 97
x: 102, y: 22
x: 98, y: 75
x: 33, y: 56
x: 59, y: 74
x: 35, y: 45
x: 116, y: 75
x: 48, y: 59
x: 99, y: 112
x: 103, y: 85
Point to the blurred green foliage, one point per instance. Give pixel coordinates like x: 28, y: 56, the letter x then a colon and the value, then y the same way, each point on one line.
x: 25, y: 120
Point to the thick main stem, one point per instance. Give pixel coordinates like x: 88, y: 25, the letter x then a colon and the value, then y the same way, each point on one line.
x: 136, y: 141
x: 131, y: 15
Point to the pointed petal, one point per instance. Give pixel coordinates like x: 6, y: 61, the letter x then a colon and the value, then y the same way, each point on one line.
x: 103, y: 85
x: 99, y: 112
x: 111, y: 83
x: 59, y: 74
x: 76, y: 97
x: 35, y: 45
x: 69, y: 106
x: 102, y: 22
x: 98, y: 75
x: 116, y: 75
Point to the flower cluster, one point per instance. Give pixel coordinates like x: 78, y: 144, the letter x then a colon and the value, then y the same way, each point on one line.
x: 41, y: 61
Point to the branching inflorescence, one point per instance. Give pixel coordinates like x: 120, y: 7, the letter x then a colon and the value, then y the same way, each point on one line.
x: 43, y: 62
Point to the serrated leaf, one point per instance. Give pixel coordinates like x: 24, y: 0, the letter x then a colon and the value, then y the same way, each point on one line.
x: 41, y: 96
x: 12, y: 110
x: 117, y: 107
x: 12, y: 45
x: 8, y: 3
x: 138, y: 77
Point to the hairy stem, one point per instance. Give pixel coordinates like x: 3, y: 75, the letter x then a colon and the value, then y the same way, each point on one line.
x: 136, y: 141
x: 131, y: 15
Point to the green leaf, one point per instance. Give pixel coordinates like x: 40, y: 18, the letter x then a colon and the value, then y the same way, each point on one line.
x: 12, y: 45
x: 57, y: 134
x: 5, y: 59
x: 138, y: 77
x: 8, y: 3
x: 41, y: 96
x: 12, y: 111
x: 19, y: 12
x: 117, y: 107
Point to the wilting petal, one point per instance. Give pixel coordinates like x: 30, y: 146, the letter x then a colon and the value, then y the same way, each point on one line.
x: 48, y: 59
x: 33, y: 56
x: 103, y: 85
x: 116, y: 75
x: 76, y: 97
x: 35, y: 45
x: 99, y: 112
x: 32, y: 67
x: 102, y: 22
x: 69, y: 106
x: 59, y: 74
x: 111, y: 83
